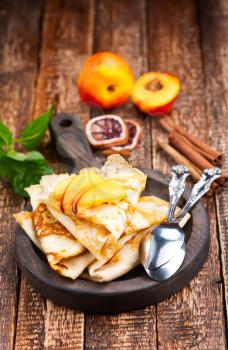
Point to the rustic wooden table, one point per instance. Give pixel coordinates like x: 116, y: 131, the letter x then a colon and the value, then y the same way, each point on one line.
x: 42, y: 49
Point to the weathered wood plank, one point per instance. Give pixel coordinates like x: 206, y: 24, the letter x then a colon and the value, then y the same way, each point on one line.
x: 120, y: 27
x: 19, y: 41
x: 214, y: 36
x: 67, y: 40
x: 193, y: 318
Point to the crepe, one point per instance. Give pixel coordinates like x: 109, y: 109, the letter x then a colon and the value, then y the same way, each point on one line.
x: 119, y: 262
x: 39, y: 193
x: 56, y: 242
x: 123, y: 261
x: 112, y: 217
x: 99, y: 240
x: 149, y: 211
x: 25, y: 220
x: 134, y: 180
x: 61, y: 260
x: 96, y: 238
x: 64, y: 254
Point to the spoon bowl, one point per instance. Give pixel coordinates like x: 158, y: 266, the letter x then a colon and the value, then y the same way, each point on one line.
x: 160, y: 247
x: 168, y: 269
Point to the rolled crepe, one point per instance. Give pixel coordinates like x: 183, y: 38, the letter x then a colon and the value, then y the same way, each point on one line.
x: 68, y: 266
x: 149, y: 211
x: 59, y: 255
x: 103, y: 239
x: 39, y: 193
x: 56, y: 242
x: 126, y: 259
x: 110, y: 216
x: 92, y: 233
x: 105, y: 223
x: 25, y: 220
x: 120, y: 258
x: 94, y: 237
x: 134, y: 180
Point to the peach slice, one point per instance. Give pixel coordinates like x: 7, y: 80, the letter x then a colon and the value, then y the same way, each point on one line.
x: 107, y: 191
x: 61, y: 188
x: 77, y: 188
x: 154, y: 93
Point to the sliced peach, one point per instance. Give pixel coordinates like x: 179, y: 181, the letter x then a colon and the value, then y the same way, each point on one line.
x: 154, y: 93
x: 76, y: 189
x: 61, y: 187
x: 107, y: 191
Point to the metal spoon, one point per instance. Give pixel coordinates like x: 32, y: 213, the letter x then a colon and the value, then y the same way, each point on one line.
x: 147, y: 247
x: 162, y: 246
x: 167, y: 270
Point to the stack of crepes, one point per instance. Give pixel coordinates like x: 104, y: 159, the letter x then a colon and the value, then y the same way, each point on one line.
x: 90, y: 225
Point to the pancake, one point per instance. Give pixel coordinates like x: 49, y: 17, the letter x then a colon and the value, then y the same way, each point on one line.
x: 132, y: 179
x: 72, y: 266
x: 25, y: 220
x: 91, y: 236
x: 56, y: 242
x: 110, y: 216
x: 126, y: 259
x: 149, y: 211
x: 101, y: 240
x: 39, y: 193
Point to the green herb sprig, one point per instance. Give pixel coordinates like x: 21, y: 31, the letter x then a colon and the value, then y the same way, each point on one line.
x: 24, y: 169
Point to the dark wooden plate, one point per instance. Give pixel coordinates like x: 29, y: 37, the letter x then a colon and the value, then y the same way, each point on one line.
x: 133, y: 291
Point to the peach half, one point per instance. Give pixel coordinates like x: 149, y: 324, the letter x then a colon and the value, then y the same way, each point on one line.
x: 154, y: 93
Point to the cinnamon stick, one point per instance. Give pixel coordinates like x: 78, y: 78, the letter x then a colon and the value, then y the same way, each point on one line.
x: 164, y: 122
x: 179, y: 158
x: 188, y: 151
x: 213, y: 155
x: 199, y: 150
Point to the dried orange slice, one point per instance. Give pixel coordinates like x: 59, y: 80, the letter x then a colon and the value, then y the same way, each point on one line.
x: 135, y: 133
x: 106, y: 131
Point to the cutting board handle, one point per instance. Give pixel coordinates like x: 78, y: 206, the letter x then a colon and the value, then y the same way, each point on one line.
x: 69, y: 139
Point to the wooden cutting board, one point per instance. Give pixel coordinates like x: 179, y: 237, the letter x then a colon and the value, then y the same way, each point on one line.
x: 133, y: 291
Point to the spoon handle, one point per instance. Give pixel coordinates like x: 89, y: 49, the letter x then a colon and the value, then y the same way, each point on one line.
x: 176, y: 187
x: 199, y: 189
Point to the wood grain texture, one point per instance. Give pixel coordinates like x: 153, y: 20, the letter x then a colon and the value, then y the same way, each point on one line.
x: 214, y: 36
x: 67, y: 41
x: 192, y: 319
x: 120, y: 27
x: 19, y: 41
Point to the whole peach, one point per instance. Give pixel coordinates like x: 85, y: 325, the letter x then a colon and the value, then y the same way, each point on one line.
x: 106, y: 80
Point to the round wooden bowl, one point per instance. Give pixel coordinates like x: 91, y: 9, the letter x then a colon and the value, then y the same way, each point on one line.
x: 133, y: 291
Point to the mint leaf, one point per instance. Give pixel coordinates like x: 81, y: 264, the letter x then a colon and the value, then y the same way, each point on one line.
x: 6, y: 137
x: 35, y: 130
x: 23, y: 173
x: 15, y: 155
x: 24, y: 157
x: 29, y: 174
